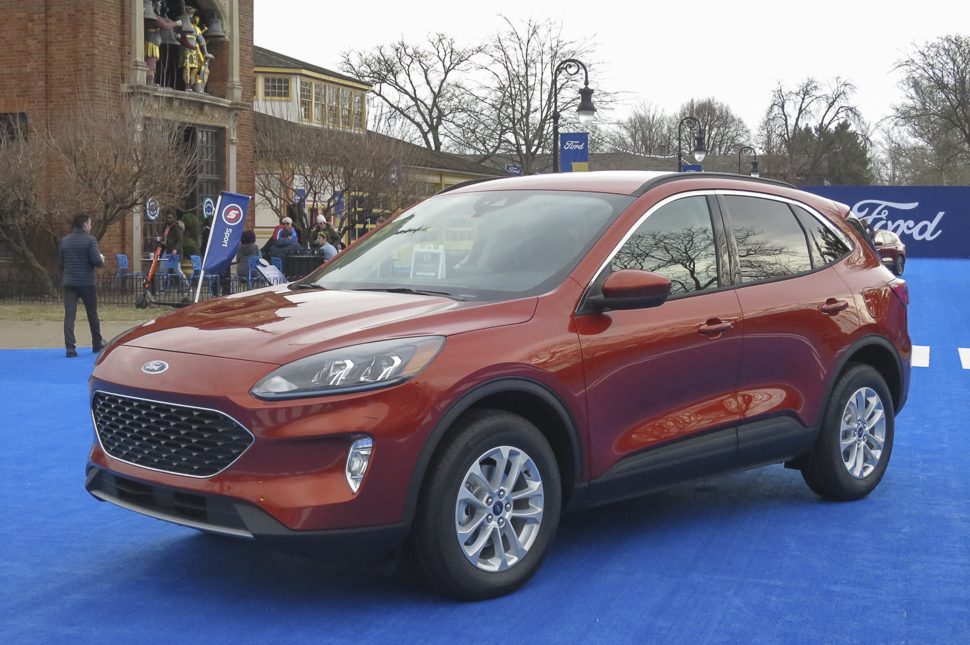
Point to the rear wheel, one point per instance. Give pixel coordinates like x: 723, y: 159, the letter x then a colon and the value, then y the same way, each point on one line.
x: 856, y: 437
x: 490, y: 508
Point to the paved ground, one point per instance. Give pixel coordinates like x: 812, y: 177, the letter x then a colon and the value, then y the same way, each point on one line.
x: 38, y: 334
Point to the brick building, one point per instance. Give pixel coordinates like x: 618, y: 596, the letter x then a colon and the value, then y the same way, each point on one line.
x: 58, y: 52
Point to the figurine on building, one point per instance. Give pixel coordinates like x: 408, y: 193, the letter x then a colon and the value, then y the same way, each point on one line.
x: 195, y: 55
x: 155, y: 22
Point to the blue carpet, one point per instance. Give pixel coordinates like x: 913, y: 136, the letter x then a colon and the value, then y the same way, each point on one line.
x: 747, y: 557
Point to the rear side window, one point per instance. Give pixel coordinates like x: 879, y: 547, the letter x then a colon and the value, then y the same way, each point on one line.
x: 676, y: 241
x: 826, y: 247
x: 771, y: 242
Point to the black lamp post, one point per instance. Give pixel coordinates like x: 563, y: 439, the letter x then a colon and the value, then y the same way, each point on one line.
x: 700, y: 150
x: 586, y: 109
x: 754, y: 160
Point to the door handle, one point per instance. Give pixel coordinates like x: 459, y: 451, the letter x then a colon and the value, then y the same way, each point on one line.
x: 833, y: 306
x: 715, y: 326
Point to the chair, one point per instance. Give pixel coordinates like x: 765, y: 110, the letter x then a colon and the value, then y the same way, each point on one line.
x: 124, y: 272
x: 277, y: 262
x: 253, y: 274
x: 210, y: 279
x: 171, y: 268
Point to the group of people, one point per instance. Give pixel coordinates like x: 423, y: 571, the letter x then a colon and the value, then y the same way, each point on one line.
x: 80, y: 256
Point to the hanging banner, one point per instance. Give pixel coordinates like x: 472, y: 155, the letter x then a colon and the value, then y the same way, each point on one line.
x: 574, y: 152
x: 933, y: 221
x: 226, y: 232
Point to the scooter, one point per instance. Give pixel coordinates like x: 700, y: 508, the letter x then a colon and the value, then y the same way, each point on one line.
x: 146, y: 297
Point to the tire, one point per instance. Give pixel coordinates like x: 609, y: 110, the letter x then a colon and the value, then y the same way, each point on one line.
x: 851, y: 454
x: 454, y: 538
x: 900, y: 265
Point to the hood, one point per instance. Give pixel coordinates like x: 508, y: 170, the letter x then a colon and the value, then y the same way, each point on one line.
x: 276, y: 325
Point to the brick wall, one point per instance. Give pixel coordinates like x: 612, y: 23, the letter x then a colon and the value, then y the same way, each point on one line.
x: 68, y: 51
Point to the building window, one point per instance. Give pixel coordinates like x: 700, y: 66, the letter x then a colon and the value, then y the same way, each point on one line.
x: 318, y: 102
x: 306, y: 100
x: 345, y: 108
x: 358, y: 111
x: 332, y: 109
x: 276, y: 87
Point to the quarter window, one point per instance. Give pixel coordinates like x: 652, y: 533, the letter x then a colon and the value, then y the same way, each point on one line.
x: 826, y: 247
x: 770, y: 241
x: 676, y: 241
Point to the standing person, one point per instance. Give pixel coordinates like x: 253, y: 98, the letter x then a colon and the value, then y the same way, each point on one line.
x: 79, y: 257
x: 319, y: 234
x: 171, y: 239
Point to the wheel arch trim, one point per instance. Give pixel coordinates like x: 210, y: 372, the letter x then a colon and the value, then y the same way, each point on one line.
x: 466, y: 402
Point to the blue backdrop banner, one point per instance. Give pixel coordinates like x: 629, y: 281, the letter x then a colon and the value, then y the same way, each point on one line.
x: 227, y: 228
x: 933, y: 221
x: 574, y: 152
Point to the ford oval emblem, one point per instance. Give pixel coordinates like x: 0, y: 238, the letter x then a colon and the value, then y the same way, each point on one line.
x: 154, y: 367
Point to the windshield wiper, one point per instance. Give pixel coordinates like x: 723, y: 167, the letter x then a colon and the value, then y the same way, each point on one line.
x: 305, y: 285
x: 417, y: 292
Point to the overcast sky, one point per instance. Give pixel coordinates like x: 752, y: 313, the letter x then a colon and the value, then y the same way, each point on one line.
x: 662, y: 53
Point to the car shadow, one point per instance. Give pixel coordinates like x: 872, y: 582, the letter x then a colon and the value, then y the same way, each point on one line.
x: 212, y: 564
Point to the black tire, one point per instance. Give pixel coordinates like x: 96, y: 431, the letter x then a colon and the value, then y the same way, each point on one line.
x: 827, y: 469
x: 435, y: 544
x: 900, y: 265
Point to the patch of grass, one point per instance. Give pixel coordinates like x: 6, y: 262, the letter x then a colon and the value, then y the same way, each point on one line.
x: 55, y: 312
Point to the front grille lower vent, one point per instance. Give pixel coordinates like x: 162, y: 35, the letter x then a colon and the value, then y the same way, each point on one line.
x: 171, y: 438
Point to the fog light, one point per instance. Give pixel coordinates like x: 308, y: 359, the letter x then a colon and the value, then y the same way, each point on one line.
x: 357, y: 460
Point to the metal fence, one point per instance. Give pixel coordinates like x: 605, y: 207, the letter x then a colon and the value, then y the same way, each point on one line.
x: 124, y: 290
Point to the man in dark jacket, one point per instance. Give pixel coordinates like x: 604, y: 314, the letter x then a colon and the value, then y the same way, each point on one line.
x: 79, y: 257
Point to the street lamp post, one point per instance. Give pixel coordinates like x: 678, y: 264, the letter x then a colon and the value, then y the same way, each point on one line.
x: 586, y: 109
x: 700, y: 149
x: 754, y: 161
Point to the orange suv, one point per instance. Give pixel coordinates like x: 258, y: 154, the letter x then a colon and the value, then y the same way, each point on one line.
x: 506, y: 350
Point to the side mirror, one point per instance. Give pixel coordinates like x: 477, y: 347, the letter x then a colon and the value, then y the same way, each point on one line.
x: 632, y: 289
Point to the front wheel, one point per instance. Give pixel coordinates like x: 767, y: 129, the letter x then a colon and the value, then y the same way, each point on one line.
x: 856, y: 438
x: 489, y: 509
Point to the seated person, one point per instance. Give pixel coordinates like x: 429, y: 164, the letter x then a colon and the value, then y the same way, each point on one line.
x: 247, y: 249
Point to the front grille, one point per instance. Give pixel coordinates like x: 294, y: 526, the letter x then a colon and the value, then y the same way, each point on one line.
x: 171, y: 438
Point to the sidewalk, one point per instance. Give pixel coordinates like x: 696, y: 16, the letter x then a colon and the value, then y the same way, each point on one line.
x: 35, y: 334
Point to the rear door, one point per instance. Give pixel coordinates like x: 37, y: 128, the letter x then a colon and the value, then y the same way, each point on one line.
x: 798, y: 315
x: 658, y: 375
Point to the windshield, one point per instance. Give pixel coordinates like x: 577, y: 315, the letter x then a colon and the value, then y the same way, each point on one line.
x: 493, y: 245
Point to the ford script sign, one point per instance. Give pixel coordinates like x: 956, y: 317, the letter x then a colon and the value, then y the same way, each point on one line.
x: 933, y: 221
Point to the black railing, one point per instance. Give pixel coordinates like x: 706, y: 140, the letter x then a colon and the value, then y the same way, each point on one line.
x: 125, y: 290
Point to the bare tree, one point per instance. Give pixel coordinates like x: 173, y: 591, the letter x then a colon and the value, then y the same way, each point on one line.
x: 645, y: 132
x: 934, y: 116
x: 724, y: 131
x: 798, y: 122
x: 423, y: 86
x: 367, y: 172
x: 518, y: 90
x: 116, y: 162
x: 21, y: 163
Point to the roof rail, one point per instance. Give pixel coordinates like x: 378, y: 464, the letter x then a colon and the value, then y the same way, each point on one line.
x: 678, y: 176
x: 462, y: 184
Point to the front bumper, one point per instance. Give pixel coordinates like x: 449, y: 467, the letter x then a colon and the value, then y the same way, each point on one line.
x: 237, y: 518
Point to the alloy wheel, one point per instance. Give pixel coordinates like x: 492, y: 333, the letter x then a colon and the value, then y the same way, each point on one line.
x: 499, y: 509
x: 863, y: 432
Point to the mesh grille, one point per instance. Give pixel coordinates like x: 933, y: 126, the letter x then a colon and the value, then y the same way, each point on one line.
x: 171, y: 438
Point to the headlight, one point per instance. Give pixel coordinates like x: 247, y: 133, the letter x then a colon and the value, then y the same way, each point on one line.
x: 354, y: 368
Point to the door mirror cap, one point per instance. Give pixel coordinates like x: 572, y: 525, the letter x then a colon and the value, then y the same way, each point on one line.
x: 631, y: 289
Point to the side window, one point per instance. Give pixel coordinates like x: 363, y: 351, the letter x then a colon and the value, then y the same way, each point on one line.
x: 825, y: 245
x: 771, y: 243
x: 676, y: 241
